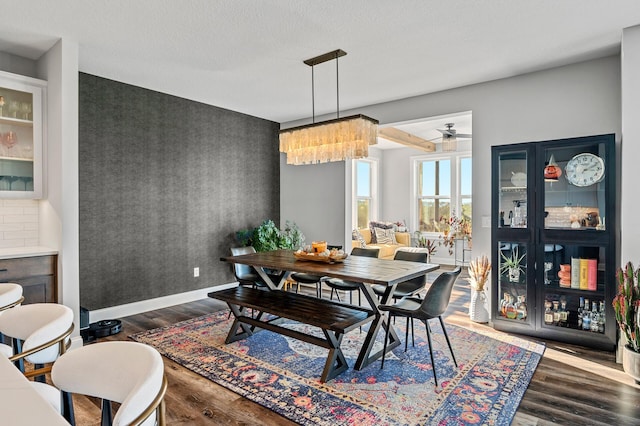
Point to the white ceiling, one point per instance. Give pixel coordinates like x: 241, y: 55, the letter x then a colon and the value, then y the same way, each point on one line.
x: 247, y: 55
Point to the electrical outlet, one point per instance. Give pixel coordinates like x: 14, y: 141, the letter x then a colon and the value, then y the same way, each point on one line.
x: 196, y: 272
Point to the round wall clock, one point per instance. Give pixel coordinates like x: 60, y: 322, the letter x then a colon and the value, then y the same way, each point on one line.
x: 585, y: 169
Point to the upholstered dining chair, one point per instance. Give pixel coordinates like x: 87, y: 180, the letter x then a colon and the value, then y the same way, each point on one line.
x: 245, y: 274
x: 433, y: 305
x: 129, y: 373
x: 406, y: 288
x: 40, y: 334
x: 337, y: 284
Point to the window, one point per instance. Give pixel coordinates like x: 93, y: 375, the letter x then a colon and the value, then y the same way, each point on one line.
x: 442, y: 188
x: 365, y: 192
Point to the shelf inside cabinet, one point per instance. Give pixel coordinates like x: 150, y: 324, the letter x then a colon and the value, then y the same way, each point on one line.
x: 513, y: 189
x: 16, y: 122
x: 555, y: 288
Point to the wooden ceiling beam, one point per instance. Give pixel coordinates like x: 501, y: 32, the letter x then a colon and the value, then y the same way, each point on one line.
x: 395, y: 135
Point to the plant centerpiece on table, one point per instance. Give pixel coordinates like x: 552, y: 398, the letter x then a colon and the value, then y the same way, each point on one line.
x: 456, y: 228
x: 479, y: 269
x: 626, y: 305
x: 268, y: 236
x: 512, y: 265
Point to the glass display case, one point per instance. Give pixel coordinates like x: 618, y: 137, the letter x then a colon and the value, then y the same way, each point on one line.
x: 554, y: 240
x: 21, y: 136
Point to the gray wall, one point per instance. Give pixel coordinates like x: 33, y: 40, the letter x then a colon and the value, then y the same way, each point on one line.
x: 575, y: 100
x: 164, y: 184
x: 18, y: 65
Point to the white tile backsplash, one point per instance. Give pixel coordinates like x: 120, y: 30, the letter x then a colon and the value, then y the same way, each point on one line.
x: 19, y: 223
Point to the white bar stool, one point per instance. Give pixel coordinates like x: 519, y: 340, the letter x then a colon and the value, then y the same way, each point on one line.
x: 126, y: 372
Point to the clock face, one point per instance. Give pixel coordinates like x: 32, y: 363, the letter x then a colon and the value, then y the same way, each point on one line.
x: 585, y: 169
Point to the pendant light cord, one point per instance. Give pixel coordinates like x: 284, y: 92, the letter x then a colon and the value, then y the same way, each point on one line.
x: 337, y: 90
x: 313, y: 98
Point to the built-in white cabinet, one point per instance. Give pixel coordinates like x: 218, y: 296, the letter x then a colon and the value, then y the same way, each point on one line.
x: 22, y: 101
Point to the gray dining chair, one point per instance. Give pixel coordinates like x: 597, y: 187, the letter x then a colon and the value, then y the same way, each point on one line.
x: 433, y: 305
x: 337, y: 284
x: 407, y: 288
x: 245, y: 274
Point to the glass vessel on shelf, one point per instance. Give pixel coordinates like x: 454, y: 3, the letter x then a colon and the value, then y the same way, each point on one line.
x: 20, y: 136
x: 513, y: 190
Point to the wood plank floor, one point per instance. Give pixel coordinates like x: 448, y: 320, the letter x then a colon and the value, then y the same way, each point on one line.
x: 572, y: 385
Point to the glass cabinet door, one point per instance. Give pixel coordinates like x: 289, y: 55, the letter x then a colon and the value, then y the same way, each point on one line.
x: 512, y: 196
x: 513, y: 286
x: 575, y: 187
x: 20, y: 138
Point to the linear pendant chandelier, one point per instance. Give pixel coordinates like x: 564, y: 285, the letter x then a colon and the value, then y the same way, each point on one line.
x: 332, y: 140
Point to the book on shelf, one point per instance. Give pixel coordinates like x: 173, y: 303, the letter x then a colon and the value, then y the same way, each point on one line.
x: 584, y: 273
x: 575, y: 272
x: 592, y: 274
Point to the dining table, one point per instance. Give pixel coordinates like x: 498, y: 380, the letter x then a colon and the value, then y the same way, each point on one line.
x: 366, y: 271
x: 20, y: 403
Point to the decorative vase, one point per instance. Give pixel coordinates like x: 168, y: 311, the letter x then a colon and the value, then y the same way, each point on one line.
x: 478, y: 307
x: 514, y: 275
x: 631, y: 363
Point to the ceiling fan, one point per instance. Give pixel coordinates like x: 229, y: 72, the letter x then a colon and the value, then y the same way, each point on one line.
x: 451, y: 132
x: 450, y: 137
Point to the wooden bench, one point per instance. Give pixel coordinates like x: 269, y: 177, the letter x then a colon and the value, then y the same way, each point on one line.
x: 334, y: 319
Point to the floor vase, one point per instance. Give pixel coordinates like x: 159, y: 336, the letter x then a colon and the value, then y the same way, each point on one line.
x: 478, y: 307
x: 631, y: 363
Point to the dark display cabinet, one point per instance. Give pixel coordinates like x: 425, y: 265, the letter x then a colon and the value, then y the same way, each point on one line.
x: 554, y: 239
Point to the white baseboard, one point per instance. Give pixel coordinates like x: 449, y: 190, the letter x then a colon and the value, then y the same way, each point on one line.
x: 115, y: 312
x: 76, y: 342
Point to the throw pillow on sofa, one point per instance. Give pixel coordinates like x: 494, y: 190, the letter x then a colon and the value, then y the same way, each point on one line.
x: 385, y: 236
x: 357, y: 236
x: 379, y: 225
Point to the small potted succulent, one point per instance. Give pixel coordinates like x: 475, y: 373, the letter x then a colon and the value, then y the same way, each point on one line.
x: 512, y: 264
x: 626, y: 305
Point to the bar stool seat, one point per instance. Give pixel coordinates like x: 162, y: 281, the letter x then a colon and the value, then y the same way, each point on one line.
x: 129, y: 373
x: 10, y: 295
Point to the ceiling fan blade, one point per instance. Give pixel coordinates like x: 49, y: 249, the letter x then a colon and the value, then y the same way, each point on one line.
x: 464, y: 135
x: 446, y: 132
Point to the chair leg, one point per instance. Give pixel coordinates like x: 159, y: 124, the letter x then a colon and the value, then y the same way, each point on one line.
x: 40, y: 378
x: 336, y: 293
x: 17, y: 348
x: 107, y: 414
x: 413, y: 337
x: 406, y: 335
x: 446, y: 336
x: 386, y: 339
x: 433, y: 365
x: 67, y: 407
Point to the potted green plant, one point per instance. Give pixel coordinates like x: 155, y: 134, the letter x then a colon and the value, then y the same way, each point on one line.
x: 512, y: 265
x: 268, y: 236
x: 425, y: 243
x: 626, y: 305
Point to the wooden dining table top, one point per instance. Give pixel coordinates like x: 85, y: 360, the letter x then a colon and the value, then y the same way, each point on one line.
x: 353, y: 268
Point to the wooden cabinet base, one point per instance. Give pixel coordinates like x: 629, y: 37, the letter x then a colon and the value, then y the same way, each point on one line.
x: 37, y: 275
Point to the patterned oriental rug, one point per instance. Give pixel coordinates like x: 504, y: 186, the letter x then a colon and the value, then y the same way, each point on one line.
x: 282, y: 374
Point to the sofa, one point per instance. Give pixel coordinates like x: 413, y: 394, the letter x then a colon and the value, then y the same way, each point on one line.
x: 387, y: 251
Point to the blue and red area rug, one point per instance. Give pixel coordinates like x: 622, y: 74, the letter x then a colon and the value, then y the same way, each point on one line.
x: 282, y: 374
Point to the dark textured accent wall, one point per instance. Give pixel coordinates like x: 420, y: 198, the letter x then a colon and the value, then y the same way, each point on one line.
x: 164, y: 184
